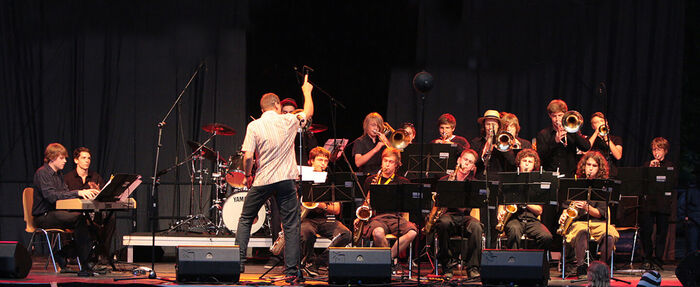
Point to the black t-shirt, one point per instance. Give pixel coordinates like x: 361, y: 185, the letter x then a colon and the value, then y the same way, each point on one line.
x: 499, y: 161
x: 555, y: 155
x: 361, y: 146
x: 75, y: 182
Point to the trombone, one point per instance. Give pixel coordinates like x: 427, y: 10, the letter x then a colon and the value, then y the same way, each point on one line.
x: 397, y: 138
x: 572, y: 121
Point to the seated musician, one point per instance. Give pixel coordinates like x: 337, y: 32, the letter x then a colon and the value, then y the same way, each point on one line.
x: 525, y: 219
x: 388, y: 223
x: 457, y: 221
x: 367, y: 149
x: 446, y: 125
x: 49, y: 187
x: 592, y: 217
x: 321, y: 220
x: 104, y: 223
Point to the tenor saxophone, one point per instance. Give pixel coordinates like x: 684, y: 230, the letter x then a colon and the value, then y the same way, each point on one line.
x: 436, y: 212
x: 278, y: 245
x: 571, y: 214
x: 509, y: 210
x: 363, y: 213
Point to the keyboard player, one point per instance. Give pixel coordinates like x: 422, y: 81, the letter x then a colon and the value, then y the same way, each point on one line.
x: 49, y: 186
x: 103, y: 223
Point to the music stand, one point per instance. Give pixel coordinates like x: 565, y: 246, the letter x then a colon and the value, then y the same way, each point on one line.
x: 405, y: 197
x: 528, y: 187
x: 436, y: 160
x: 460, y: 194
x: 325, y: 193
x: 120, y: 186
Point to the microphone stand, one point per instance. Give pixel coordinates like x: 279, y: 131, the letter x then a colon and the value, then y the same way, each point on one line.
x: 156, y: 181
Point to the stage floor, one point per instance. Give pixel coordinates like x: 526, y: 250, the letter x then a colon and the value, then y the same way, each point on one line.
x: 40, y: 276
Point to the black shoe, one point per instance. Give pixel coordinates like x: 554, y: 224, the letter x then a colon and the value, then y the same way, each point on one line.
x: 582, y: 271
x: 295, y: 278
x: 658, y: 264
x: 274, y: 260
x: 60, y: 260
x: 571, y: 272
x: 86, y: 273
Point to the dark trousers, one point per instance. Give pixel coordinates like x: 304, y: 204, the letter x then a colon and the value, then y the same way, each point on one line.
x: 69, y: 220
x: 463, y: 225
x: 331, y: 229
x: 285, y: 192
x: 647, y: 219
x: 515, y: 228
x: 104, y: 224
x: 580, y: 243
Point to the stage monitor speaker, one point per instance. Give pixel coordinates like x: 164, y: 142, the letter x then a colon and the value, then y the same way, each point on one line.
x: 15, y: 261
x: 519, y: 267
x: 358, y: 265
x: 208, y: 264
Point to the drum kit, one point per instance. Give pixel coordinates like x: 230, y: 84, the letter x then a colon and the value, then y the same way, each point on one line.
x: 230, y: 190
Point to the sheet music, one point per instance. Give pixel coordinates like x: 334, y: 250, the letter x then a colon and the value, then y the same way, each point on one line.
x: 308, y: 174
x: 125, y: 195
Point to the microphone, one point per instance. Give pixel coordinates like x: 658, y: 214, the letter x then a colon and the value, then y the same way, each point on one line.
x: 602, y: 89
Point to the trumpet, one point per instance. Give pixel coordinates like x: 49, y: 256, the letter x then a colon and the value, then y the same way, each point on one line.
x: 571, y: 214
x: 572, y: 121
x: 505, y: 141
x: 509, y: 210
x: 276, y: 247
x: 397, y: 138
x: 603, y: 130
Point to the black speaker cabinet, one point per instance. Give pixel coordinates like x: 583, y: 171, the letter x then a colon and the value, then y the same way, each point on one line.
x: 208, y: 264
x: 520, y: 267
x: 688, y: 270
x: 359, y: 265
x: 15, y: 261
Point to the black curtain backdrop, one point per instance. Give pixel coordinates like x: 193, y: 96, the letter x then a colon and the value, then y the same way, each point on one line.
x: 102, y: 74
x: 516, y: 56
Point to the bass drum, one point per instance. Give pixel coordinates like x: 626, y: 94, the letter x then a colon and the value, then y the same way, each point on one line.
x: 232, y: 213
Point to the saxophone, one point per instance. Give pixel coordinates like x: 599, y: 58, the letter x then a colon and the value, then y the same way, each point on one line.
x: 363, y: 213
x: 278, y: 245
x: 509, y: 211
x: 436, y: 212
x: 571, y: 214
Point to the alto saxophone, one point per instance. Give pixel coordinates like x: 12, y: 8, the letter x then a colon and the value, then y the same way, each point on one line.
x: 509, y: 211
x: 363, y: 213
x: 571, y: 214
x: 278, y: 245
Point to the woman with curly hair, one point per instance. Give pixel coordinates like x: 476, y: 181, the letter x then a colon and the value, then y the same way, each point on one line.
x: 592, y: 220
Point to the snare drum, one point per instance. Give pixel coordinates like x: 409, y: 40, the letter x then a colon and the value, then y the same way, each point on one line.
x: 235, y: 175
x: 233, y: 207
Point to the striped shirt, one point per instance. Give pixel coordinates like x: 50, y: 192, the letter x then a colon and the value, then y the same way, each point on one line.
x: 272, y: 136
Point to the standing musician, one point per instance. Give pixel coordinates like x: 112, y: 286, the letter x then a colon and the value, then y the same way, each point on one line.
x: 104, y: 222
x: 599, y: 141
x: 524, y: 220
x: 457, y: 221
x: 556, y: 147
x: 592, y: 217
x: 321, y: 220
x: 510, y: 124
x: 49, y: 187
x: 485, y: 144
x: 655, y: 209
x: 272, y: 137
x: 367, y: 149
x: 446, y: 125
x: 410, y: 131
x: 388, y: 223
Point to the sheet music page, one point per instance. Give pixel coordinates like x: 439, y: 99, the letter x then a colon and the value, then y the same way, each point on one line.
x: 125, y: 195
x: 308, y: 174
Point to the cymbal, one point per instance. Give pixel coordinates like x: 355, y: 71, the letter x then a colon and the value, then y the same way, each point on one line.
x: 220, y: 129
x: 206, y: 152
x: 317, y: 128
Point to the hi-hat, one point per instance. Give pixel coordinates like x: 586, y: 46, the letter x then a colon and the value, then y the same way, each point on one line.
x: 220, y: 129
x: 206, y: 152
